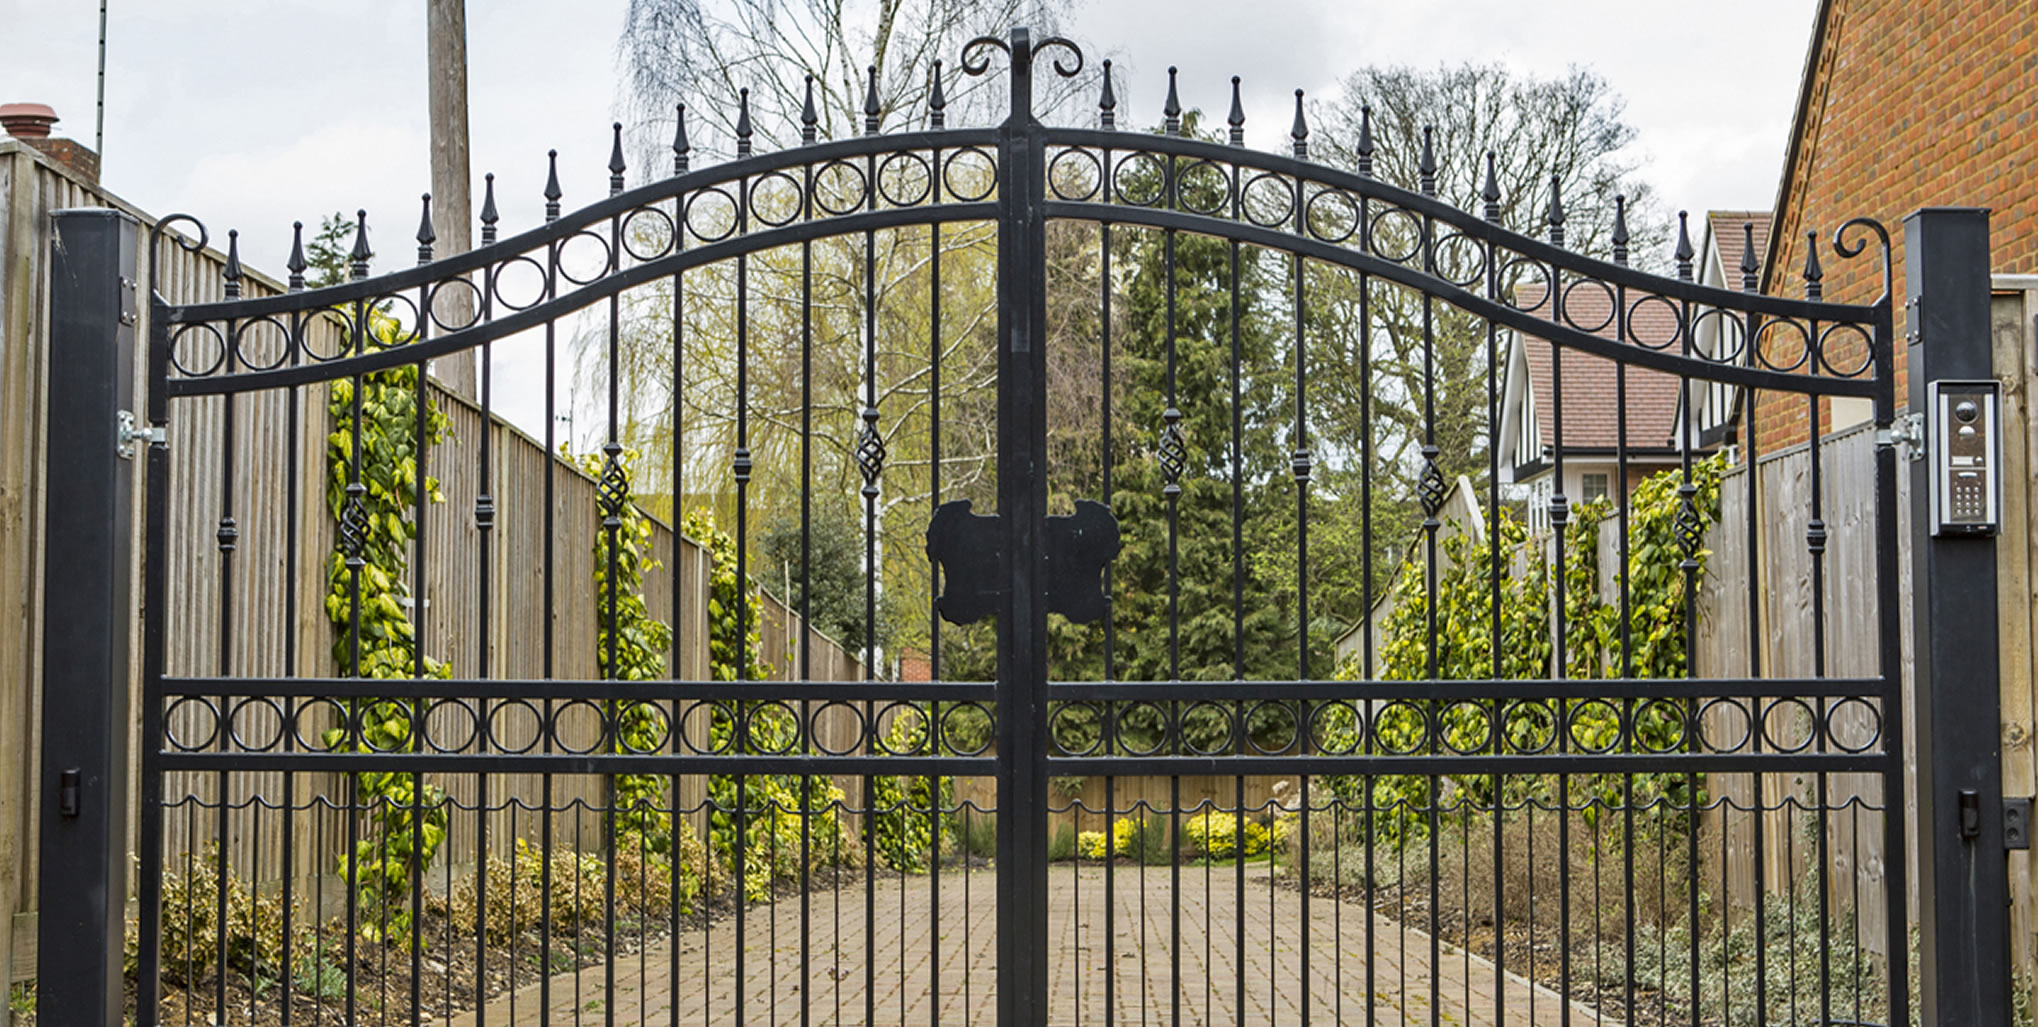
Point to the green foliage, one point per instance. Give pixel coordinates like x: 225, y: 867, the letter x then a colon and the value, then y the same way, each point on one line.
x: 1468, y: 646
x: 908, y: 810
x: 515, y: 906
x: 1090, y: 845
x: 407, y: 815
x: 321, y: 979
x: 1141, y: 838
x: 194, y: 935
x: 834, y: 591
x: 1215, y: 835
x: 638, y: 645
x: 760, y: 814
x: 733, y: 612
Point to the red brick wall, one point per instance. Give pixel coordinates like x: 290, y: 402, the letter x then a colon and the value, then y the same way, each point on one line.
x: 1914, y: 103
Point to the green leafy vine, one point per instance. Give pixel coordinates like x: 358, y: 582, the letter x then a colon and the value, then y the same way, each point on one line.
x: 407, y: 815
x: 1466, y: 644
x: 640, y: 643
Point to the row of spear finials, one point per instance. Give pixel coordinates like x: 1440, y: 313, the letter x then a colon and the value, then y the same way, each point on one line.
x: 1107, y: 104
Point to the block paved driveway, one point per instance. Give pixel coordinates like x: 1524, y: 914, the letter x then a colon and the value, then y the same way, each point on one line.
x: 922, y: 961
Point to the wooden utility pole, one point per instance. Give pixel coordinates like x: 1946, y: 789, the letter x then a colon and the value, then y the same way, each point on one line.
x: 446, y: 78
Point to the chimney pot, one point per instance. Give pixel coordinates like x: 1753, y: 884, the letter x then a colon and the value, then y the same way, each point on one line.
x: 27, y: 120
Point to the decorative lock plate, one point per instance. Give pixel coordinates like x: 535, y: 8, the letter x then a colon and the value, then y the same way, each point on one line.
x: 969, y: 548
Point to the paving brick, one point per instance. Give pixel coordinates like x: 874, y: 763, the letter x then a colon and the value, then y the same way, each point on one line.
x: 909, y: 963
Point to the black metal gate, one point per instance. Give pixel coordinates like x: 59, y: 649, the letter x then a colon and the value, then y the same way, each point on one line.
x: 440, y: 725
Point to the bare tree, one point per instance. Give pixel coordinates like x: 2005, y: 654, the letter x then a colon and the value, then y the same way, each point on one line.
x: 700, y: 53
x: 1567, y: 130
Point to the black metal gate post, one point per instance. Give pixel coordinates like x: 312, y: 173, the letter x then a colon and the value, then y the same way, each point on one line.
x: 1022, y: 512
x: 1962, y: 873
x: 87, y: 611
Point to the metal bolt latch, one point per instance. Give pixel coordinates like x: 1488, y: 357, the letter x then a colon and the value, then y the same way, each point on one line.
x: 126, y: 435
x: 67, y: 793
x: 1907, y: 433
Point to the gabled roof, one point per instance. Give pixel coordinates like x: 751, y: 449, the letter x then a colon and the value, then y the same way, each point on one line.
x: 1726, y: 236
x: 1590, y: 382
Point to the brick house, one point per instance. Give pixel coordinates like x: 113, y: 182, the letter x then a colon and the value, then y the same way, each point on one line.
x: 1596, y: 444
x: 1903, y: 104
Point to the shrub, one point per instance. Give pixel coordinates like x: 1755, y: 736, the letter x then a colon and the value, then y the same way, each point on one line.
x: 1141, y: 838
x: 1090, y: 845
x: 1216, y: 835
x: 579, y: 883
x: 194, y: 937
x: 907, y: 810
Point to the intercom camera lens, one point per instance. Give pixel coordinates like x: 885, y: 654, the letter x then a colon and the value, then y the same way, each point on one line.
x: 1966, y: 411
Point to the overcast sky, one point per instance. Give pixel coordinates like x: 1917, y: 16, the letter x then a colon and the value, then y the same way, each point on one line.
x: 255, y: 113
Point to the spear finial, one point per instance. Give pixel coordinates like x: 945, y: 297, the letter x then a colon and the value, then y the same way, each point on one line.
x: 1237, y: 118
x: 810, y: 119
x: 616, y: 165
x: 1555, y: 215
x: 488, y: 215
x: 1490, y: 192
x: 871, y: 110
x: 937, y: 105
x: 1171, y: 112
x: 1107, y: 104
x: 1366, y: 141
x: 296, y: 263
x: 361, y: 254
x: 1748, y: 265
x: 1426, y: 169
x: 1300, y: 130
x: 233, y: 273
x: 1814, y: 275
x: 552, y: 190
x: 1684, y: 251
x: 426, y: 236
x: 1620, y: 229
x: 680, y: 148
x: 743, y: 130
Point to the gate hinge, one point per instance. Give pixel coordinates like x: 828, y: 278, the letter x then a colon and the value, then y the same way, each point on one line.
x: 2016, y: 822
x: 1907, y: 433
x: 126, y: 435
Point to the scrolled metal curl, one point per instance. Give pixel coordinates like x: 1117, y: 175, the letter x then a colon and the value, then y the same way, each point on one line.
x: 162, y: 228
x: 1848, y: 251
x: 975, y: 61
x: 1064, y: 70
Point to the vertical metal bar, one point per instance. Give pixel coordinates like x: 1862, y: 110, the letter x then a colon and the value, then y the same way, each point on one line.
x: 1963, y: 949
x: 1889, y: 665
x: 88, y: 607
x: 1022, y: 507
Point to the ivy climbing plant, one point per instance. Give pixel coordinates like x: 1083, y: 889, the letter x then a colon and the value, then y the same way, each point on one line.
x: 908, y: 811
x: 1466, y: 644
x: 374, y: 503
x: 639, y: 645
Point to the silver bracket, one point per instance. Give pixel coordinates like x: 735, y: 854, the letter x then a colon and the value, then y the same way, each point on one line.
x: 1907, y: 433
x: 126, y: 435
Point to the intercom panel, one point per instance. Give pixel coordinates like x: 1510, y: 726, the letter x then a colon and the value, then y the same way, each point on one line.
x: 1964, y: 425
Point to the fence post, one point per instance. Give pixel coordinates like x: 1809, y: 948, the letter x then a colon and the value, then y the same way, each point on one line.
x: 88, y: 521
x: 1963, y: 886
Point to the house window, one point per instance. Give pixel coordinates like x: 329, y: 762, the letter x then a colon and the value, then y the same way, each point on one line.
x: 1593, y: 487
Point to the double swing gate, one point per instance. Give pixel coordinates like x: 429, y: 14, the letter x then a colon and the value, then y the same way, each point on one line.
x: 1074, y: 439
